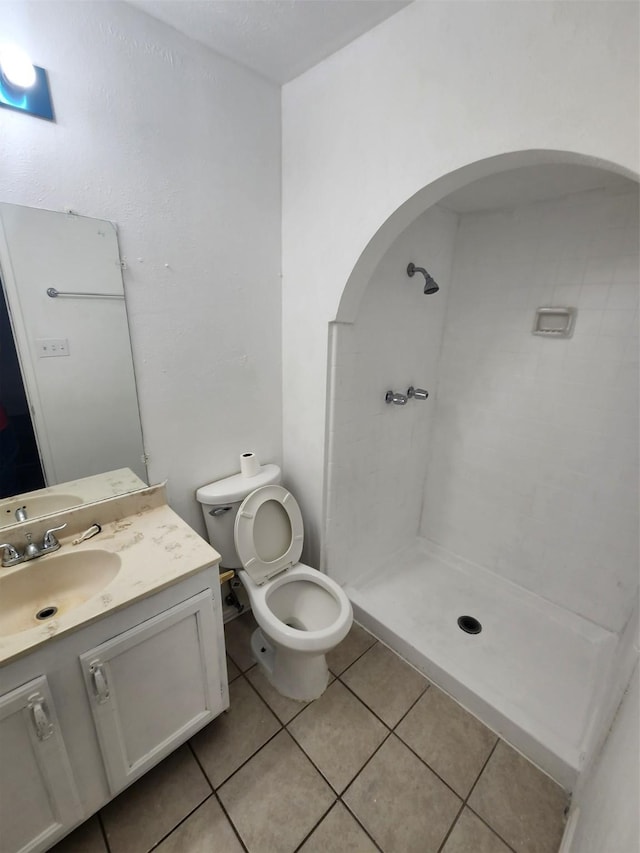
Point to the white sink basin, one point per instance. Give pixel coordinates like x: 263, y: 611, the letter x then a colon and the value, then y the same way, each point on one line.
x: 49, y: 587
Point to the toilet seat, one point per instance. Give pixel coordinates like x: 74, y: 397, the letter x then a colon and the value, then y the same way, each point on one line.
x: 268, y: 532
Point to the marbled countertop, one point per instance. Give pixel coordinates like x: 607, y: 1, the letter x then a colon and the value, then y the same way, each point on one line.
x: 155, y: 546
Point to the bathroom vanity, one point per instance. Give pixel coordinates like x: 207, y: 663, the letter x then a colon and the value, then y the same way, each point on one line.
x: 130, y: 665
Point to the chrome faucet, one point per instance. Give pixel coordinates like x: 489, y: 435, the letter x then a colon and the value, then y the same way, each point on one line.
x: 21, y: 513
x: 11, y: 556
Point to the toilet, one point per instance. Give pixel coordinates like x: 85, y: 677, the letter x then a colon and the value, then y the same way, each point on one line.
x: 256, y: 526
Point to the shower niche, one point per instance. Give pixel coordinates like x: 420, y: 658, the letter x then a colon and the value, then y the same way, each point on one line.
x: 512, y: 493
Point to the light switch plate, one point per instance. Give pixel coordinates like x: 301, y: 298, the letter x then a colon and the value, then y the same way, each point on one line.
x: 52, y: 347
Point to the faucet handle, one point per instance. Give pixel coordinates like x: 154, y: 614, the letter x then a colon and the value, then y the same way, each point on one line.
x: 49, y: 540
x: 9, y: 553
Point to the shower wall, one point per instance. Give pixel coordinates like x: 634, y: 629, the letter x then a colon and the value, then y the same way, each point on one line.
x: 378, y: 452
x: 533, y: 464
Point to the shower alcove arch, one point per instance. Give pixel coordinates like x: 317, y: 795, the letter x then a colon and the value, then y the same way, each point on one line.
x: 549, y: 668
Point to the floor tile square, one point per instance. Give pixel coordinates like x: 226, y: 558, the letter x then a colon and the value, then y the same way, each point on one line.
x: 523, y: 805
x: 385, y: 683
x: 339, y: 734
x: 207, y: 830
x: 337, y: 832
x: 237, y: 637
x: 400, y: 802
x: 276, y: 799
x: 87, y: 838
x: 283, y: 707
x: 345, y: 653
x: 235, y: 735
x: 452, y: 742
x: 232, y: 670
x: 471, y: 835
x: 142, y: 815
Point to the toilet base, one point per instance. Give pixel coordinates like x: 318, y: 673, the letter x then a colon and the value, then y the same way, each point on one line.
x: 296, y: 675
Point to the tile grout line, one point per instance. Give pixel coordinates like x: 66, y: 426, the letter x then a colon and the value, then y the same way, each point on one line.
x: 465, y: 804
x: 376, y: 715
x: 214, y: 794
x: 315, y: 826
x: 464, y: 800
x: 356, y: 659
x: 361, y: 825
x: 180, y: 822
x: 103, y: 830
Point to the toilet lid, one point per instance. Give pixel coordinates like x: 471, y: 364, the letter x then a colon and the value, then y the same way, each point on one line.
x: 268, y: 532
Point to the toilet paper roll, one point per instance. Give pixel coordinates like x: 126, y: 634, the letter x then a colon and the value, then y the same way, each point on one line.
x: 249, y: 465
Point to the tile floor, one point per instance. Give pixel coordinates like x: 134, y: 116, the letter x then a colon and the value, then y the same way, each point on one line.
x: 383, y: 761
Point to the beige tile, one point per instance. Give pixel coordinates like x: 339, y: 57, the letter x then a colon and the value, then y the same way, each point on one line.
x: 400, y: 802
x: 471, y: 835
x: 237, y: 637
x: 285, y: 709
x: 448, y: 738
x: 232, y: 670
x: 87, y: 838
x: 339, y: 734
x: 276, y: 799
x: 234, y: 736
x: 207, y: 830
x: 523, y: 805
x: 385, y: 683
x: 345, y: 653
x: 143, y: 814
x: 337, y: 832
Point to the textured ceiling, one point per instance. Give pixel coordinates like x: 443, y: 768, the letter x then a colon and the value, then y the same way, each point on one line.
x: 277, y: 38
x: 530, y: 184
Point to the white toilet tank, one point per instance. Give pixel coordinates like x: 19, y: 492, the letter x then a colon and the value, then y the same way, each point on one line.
x: 220, y: 503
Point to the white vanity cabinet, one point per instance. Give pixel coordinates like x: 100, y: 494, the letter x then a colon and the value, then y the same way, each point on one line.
x: 86, y: 714
x: 38, y: 795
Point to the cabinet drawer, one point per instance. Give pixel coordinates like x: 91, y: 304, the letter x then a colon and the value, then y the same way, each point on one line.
x: 152, y: 687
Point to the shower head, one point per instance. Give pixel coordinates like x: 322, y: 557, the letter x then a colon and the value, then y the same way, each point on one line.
x: 430, y: 285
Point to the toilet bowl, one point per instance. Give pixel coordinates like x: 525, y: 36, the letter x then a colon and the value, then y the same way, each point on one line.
x: 301, y: 612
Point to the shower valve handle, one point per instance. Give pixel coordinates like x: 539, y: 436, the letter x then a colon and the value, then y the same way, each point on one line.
x: 394, y: 397
x: 417, y: 393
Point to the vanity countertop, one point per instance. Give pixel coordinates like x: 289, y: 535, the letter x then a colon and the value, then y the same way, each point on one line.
x: 156, y: 549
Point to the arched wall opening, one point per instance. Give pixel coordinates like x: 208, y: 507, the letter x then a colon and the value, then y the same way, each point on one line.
x: 510, y: 493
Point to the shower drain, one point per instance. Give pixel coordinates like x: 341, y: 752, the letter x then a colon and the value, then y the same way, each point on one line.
x: 46, y: 612
x: 469, y: 624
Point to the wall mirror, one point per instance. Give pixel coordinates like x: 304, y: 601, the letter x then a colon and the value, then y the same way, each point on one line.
x: 68, y: 402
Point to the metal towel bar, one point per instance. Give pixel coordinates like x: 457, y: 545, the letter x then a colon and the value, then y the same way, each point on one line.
x: 52, y: 292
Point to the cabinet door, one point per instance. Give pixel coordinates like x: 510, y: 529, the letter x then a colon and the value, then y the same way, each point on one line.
x: 38, y: 797
x: 152, y: 687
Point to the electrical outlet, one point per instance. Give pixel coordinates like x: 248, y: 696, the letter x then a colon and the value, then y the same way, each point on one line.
x: 52, y: 347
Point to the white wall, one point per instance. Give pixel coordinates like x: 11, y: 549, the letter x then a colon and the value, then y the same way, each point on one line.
x: 534, y: 461
x: 608, y: 817
x: 379, y: 451
x: 434, y: 88
x: 181, y: 149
